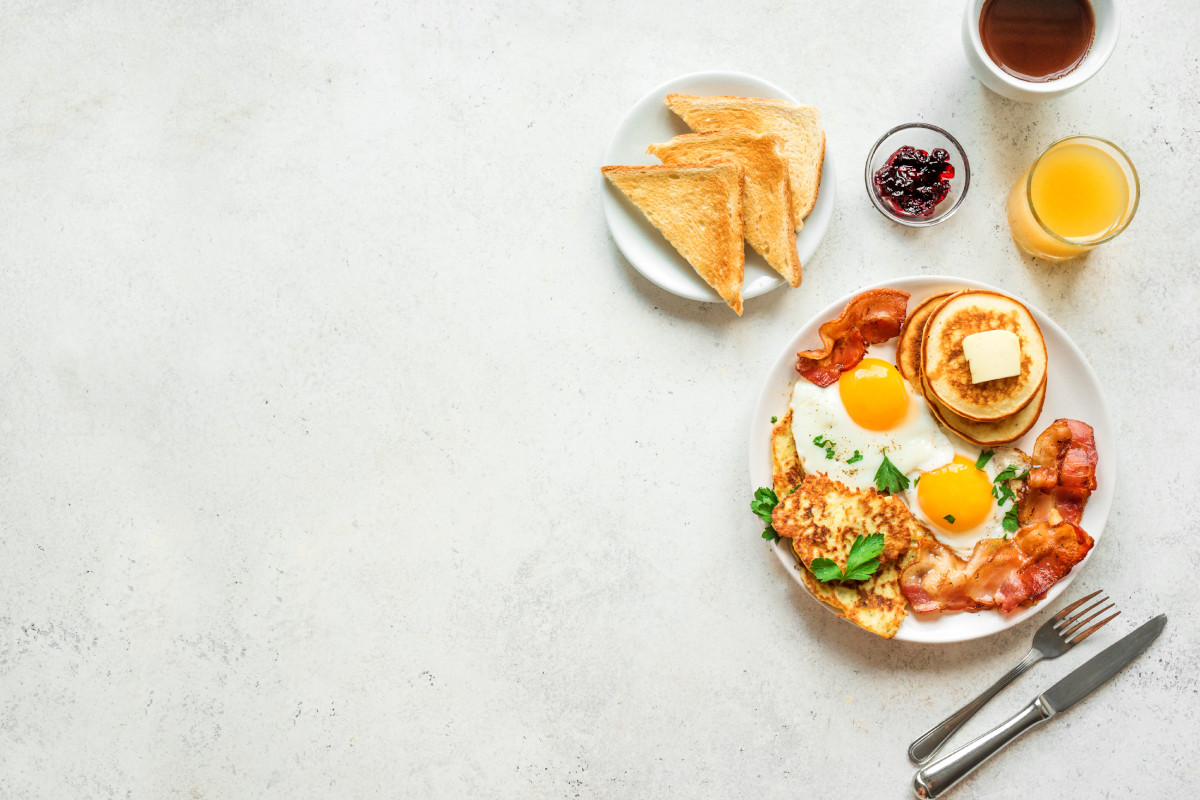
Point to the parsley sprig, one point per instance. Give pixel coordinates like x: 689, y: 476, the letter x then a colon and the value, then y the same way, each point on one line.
x: 763, y: 504
x: 1004, y: 494
x: 889, y: 479
x: 861, y: 563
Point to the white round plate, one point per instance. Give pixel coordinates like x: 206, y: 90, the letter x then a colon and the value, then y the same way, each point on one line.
x: 650, y: 121
x: 1072, y: 390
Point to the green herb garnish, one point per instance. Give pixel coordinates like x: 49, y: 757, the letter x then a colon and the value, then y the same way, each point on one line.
x: 821, y: 441
x: 861, y: 563
x: 774, y: 420
x: 1009, y: 473
x: 984, y: 457
x: 1000, y: 487
x: 763, y: 504
x: 854, y: 459
x: 1010, y: 522
x: 949, y: 518
x: 888, y: 478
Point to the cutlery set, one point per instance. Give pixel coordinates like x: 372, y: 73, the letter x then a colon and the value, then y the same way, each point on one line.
x: 1060, y: 633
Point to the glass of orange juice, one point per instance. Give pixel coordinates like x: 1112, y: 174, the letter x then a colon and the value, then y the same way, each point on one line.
x: 1080, y: 192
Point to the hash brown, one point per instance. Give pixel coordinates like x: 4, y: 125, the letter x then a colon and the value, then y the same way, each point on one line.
x: 822, y: 518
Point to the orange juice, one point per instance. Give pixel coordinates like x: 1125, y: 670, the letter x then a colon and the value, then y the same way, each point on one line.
x: 1080, y: 192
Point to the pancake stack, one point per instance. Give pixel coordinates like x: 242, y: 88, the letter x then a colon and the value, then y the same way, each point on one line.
x: 929, y: 355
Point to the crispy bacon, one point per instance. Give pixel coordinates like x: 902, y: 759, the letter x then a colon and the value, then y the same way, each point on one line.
x: 1063, y: 474
x: 869, y: 318
x: 1001, y: 573
x: 1004, y: 573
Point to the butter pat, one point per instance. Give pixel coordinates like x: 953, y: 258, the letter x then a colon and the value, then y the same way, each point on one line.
x: 992, y: 355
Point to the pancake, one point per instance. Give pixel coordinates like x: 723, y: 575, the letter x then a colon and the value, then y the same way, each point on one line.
x: 994, y: 432
x: 908, y: 345
x: 945, y: 369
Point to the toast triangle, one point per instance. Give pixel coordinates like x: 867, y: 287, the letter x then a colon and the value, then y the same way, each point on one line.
x: 798, y: 125
x: 766, y: 194
x: 698, y: 208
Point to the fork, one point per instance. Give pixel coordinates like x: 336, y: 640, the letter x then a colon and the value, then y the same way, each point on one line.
x: 1056, y: 636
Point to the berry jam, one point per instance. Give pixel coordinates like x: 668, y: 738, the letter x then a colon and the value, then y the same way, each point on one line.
x: 914, y: 181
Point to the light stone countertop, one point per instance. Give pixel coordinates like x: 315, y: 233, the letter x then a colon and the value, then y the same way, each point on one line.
x: 343, y: 455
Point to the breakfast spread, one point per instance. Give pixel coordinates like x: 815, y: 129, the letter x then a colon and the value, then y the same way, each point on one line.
x: 884, y: 504
x: 915, y: 181
x: 902, y: 493
x: 777, y: 149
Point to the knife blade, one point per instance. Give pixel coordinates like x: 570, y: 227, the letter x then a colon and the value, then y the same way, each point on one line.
x: 1099, y: 668
x: 936, y: 778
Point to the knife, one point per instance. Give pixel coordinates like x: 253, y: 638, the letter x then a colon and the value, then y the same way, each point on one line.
x: 936, y: 778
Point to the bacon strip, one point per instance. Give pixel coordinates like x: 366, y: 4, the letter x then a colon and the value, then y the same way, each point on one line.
x: 1063, y: 474
x: 1004, y: 573
x: 869, y: 318
x: 1001, y: 573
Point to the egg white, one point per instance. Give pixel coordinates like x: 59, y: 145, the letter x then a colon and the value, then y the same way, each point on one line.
x: 917, y: 443
x: 991, y: 527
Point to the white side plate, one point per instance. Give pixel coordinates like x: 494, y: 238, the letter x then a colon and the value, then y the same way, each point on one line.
x: 650, y: 121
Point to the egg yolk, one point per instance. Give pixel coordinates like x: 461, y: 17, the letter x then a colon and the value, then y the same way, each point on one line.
x: 873, y: 394
x: 956, y: 496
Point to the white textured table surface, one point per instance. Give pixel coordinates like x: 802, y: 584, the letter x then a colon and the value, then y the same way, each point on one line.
x: 343, y: 455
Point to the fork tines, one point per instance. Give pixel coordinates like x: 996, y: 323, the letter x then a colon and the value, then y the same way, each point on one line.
x: 1067, y: 627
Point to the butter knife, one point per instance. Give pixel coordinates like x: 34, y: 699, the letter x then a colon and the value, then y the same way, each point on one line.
x: 934, y: 779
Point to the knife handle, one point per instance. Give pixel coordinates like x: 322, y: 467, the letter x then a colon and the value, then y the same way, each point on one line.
x: 936, y: 778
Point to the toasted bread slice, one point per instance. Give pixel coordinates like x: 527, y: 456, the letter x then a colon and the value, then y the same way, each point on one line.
x: 908, y: 344
x: 947, y: 372
x: 766, y: 194
x: 698, y: 208
x: 798, y: 125
x: 996, y: 432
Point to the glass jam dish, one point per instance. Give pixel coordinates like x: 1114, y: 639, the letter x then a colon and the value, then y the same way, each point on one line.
x: 926, y: 140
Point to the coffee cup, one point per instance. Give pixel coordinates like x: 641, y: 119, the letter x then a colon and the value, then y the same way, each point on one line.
x: 1104, y: 41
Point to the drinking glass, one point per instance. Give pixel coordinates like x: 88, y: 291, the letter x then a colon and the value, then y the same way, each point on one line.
x: 1030, y: 229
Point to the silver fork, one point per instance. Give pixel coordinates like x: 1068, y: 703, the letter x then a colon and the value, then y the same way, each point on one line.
x: 1056, y: 636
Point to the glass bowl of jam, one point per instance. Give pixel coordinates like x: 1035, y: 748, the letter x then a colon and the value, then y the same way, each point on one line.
x: 917, y: 174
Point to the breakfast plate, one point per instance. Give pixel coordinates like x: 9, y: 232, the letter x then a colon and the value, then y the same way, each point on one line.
x: 650, y: 121
x: 1072, y: 390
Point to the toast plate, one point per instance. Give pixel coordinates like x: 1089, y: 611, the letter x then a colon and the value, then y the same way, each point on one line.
x: 650, y: 121
x: 1072, y: 390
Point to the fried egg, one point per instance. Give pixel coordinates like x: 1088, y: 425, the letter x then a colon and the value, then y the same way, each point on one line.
x: 844, y: 431
x: 956, y: 499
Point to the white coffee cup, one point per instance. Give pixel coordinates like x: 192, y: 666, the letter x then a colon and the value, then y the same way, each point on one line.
x: 1000, y: 82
